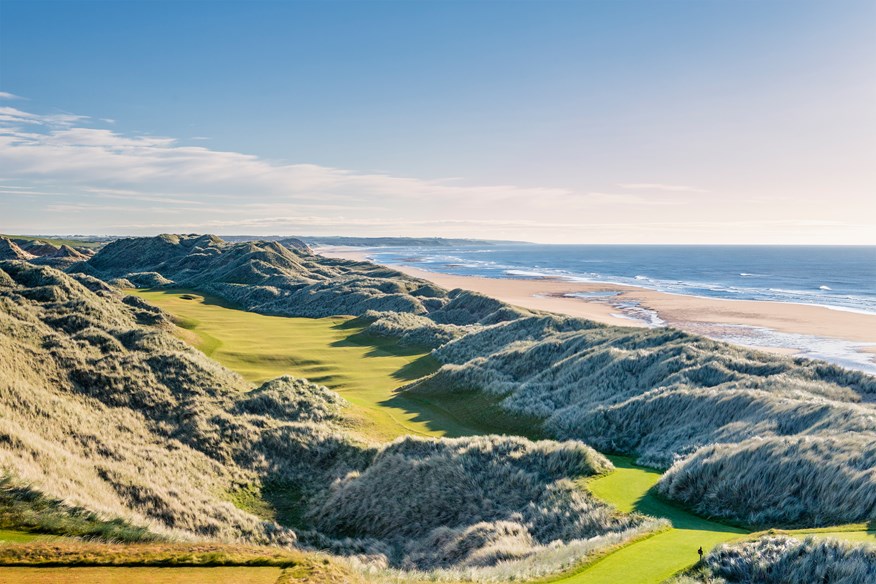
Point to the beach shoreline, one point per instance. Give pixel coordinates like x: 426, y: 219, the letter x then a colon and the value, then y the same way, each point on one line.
x: 844, y: 337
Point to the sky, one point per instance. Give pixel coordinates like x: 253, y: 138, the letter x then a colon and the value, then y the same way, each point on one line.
x: 615, y: 121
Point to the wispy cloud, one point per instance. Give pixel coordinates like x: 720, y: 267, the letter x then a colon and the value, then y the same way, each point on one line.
x: 56, y: 146
x: 65, y: 172
x: 16, y: 117
x: 662, y: 187
x: 7, y: 95
x: 627, y: 199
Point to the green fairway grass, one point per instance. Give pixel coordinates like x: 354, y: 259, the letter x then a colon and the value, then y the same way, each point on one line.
x: 15, y: 536
x: 655, y: 558
x: 331, y: 351
x: 367, y: 370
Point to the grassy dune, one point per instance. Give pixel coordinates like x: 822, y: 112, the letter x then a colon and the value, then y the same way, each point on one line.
x: 330, y: 351
x: 366, y: 370
x: 778, y: 559
x: 773, y: 441
x: 107, y: 416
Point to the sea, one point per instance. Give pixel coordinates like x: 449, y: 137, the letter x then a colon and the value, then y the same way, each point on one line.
x: 836, y: 277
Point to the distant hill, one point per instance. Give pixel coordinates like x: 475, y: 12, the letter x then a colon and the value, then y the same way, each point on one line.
x: 38, y: 251
x: 10, y: 250
x: 78, y: 242
x: 271, y: 278
x: 288, y: 241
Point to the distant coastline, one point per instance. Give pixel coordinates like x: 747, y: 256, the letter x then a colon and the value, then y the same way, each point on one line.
x: 835, y: 334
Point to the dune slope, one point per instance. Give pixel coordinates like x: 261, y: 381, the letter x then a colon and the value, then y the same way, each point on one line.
x: 105, y: 413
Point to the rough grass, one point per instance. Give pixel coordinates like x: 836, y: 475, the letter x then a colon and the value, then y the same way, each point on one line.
x: 780, y: 559
x: 106, y: 412
x: 118, y: 419
x: 792, y: 481
x: 23, y: 508
x: 668, y: 397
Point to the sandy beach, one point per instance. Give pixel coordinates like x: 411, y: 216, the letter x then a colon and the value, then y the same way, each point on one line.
x: 838, y: 336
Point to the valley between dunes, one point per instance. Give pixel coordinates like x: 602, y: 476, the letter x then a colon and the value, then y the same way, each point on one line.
x: 367, y: 370
x: 445, y: 440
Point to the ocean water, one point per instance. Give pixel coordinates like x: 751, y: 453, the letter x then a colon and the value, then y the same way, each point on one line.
x: 840, y: 277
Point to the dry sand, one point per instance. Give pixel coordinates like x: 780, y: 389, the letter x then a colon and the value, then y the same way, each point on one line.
x: 631, y: 306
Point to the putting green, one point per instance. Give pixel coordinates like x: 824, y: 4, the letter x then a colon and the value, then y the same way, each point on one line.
x: 656, y: 558
x: 367, y: 370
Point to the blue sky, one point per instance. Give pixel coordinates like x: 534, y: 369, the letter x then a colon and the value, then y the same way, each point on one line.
x: 664, y: 121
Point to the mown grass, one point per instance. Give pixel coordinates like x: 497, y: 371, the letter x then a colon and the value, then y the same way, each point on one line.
x: 18, y: 536
x: 330, y: 351
x: 470, y: 412
x: 630, y: 488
